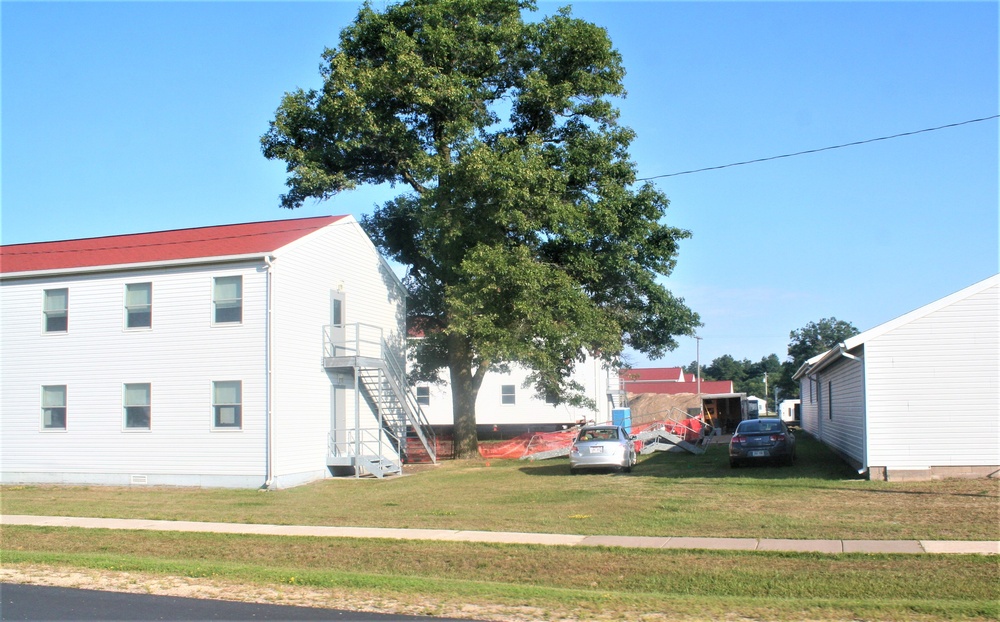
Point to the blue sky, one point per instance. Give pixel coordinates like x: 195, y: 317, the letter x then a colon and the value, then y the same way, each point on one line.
x: 121, y: 117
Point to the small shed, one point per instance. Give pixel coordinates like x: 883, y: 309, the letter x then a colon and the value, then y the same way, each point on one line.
x: 917, y: 397
x: 790, y: 411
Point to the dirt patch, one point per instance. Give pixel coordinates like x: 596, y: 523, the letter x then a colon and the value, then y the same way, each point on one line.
x: 648, y: 407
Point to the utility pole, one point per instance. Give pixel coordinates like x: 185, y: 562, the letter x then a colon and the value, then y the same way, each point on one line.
x: 765, y: 393
x: 698, y: 361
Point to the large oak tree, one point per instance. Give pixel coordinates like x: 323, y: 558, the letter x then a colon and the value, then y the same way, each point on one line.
x: 524, y: 232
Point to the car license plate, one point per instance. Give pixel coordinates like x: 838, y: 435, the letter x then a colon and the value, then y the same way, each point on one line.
x: 762, y: 453
x: 597, y: 450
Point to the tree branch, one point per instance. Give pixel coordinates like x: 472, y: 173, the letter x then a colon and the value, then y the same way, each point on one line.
x: 413, y: 183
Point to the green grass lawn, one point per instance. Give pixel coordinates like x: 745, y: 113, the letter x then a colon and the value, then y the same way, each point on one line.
x: 666, y: 495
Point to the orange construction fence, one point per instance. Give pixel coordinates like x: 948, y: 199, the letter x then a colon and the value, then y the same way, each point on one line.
x: 532, y: 443
x: 527, y: 444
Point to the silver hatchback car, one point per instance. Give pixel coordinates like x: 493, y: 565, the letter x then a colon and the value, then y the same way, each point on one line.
x: 602, y: 447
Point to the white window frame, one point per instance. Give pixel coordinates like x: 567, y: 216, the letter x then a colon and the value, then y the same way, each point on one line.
x: 148, y: 406
x: 217, y: 405
x: 64, y: 407
x: 423, y: 395
x: 505, y: 394
x: 148, y: 307
x: 60, y: 312
x: 226, y: 301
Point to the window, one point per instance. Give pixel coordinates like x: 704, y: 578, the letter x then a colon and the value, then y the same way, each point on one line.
x: 137, y: 411
x: 56, y: 310
x: 829, y: 397
x: 139, y: 305
x: 551, y: 397
x: 227, y: 298
x: 507, y: 394
x: 338, y: 312
x: 424, y: 396
x: 54, y: 407
x: 227, y: 404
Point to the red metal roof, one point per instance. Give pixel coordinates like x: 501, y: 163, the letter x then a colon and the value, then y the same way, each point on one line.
x: 673, y: 388
x: 670, y: 380
x: 137, y: 248
x: 668, y: 374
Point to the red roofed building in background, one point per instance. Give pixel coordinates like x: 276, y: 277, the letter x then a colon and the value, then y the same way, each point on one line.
x: 669, y: 380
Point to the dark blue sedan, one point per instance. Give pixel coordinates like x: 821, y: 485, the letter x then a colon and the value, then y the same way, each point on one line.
x: 762, y: 440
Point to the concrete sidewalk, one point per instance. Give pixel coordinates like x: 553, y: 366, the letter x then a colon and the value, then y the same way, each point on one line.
x: 732, y: 544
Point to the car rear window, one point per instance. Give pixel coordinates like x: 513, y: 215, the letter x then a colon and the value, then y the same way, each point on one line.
x: 600, y: 434
x: 759, y: 426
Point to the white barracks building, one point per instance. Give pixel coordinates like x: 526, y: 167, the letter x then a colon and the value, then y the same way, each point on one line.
x: 266, y: 354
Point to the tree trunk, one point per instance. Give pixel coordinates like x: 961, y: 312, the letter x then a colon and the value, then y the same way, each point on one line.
x: 464, y: 391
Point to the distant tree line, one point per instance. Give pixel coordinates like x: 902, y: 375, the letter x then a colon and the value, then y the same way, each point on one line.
x: 749, y: 376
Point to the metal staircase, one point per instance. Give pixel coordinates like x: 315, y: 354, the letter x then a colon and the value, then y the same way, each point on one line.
x: 616, y: 389
x: 376, y: 440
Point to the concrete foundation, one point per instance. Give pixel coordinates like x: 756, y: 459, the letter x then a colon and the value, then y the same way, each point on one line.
x: 885, y: 474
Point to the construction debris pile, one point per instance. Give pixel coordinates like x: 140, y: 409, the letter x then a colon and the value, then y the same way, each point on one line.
x: 649, y: 407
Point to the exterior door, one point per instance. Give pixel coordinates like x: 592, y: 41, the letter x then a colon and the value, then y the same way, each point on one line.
x: 338, y: 331
x: 341, y: 378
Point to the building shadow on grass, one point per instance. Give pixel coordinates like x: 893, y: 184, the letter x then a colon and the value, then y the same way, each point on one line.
x: 814, y: 461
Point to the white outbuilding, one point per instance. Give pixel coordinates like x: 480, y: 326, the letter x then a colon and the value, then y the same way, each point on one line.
x: 917, y: 397
x: 507, y: 405
x: 265, y: 354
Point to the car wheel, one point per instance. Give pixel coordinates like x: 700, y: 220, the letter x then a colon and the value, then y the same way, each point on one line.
x: 627, y: 469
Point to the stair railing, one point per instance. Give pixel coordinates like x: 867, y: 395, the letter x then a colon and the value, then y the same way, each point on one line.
x: 366, y: 340
x: 358, y: 442
x: 359, y: 340
x: 411, y: 409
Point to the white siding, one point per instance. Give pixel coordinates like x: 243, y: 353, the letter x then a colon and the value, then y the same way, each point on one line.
x: 786, y: 410
x: 529, y: 408
x: 339, y: 257
x: 933, y: 396
x: 810, y: 406
x: 179, y: 357
x: 840, y: 412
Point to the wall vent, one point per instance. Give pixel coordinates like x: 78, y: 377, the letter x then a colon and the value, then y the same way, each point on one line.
x: 138, y: 479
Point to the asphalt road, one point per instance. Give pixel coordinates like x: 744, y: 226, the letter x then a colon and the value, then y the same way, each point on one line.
x: 37, y: 602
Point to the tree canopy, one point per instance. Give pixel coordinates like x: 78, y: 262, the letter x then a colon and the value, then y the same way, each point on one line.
x: 747, y: 376
x: 525, y: 235
x: 806, y: 342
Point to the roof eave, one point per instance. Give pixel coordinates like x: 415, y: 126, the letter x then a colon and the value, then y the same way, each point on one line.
x: 821, y: 362
x: 130, y: 267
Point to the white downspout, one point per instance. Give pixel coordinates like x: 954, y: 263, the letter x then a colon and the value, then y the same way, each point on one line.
x: 268, y: 426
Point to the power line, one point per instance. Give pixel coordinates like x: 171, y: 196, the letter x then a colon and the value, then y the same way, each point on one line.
x: 798, y: 153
